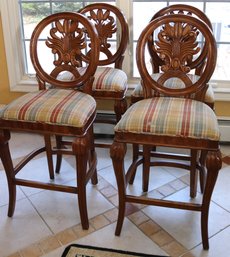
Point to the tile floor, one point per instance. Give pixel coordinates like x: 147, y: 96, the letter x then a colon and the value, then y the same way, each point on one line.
x: 45, y: 222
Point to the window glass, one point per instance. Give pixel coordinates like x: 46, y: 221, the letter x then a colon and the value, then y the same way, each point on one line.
x: 218, y: 13
x: 33, y: 11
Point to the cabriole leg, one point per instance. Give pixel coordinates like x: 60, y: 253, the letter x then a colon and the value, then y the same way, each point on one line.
x: 213, y: 163
x: 81, y: 151
x: 9, y: 169
x: 117, y: 153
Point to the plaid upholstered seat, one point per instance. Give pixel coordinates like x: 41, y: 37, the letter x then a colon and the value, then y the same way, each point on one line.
x: 105, y: 79
x: 184, y: 117
x: 53, y: 106
x: 110, y: 79
x: 174, y: 83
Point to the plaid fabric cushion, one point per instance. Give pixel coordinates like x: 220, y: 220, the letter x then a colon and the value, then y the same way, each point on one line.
x: 105, y: 79
x: 170, y: 117
x: 176, y: 83
x: 110, y: 79
x: 53, y: 106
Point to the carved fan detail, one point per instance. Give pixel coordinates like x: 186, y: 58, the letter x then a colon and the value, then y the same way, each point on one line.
x: 176, y: 46
x: 106, y: 27
x: 67, y: 39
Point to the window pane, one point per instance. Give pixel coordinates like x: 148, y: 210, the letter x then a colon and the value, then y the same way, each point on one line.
x: 31, y: 15
x: 223, y: 63
x: 33, y: 11
x: 218, y: 13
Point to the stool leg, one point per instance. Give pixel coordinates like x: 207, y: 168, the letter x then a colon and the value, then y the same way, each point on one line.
x: 120, y: 106
x: 146, y: 168
x: 133, y: 167
x: 193, y: 174
x: 213, y: 163
x: 9, y: 169
x: 202, y: 170
x: 92, y: 157
x: 59, y: 156
x: 117, y: 153
x: 49, y: 155
x: 81, y: 151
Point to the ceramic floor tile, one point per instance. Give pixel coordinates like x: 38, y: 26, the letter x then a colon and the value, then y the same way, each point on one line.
x: 23, y: 229
x: 104, y: 159
x: 176, y: 171
x: 130, y: 239
x: 38, y: 170
x: 53, y: 214
x: 60, y: 210
x: 158, y: 177
x: 221, y: 194
x: 184, y: 225
x: 31, y: 141
x: 219, y: 246
x: 4, y: 196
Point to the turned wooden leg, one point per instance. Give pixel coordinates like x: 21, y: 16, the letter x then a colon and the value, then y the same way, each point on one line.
x: 213, y: 163
x: 146, y: 168
x: 133, y: 167
x: 203, y: 174
x: 9, y: 169
x: 193, y: 174
x: 117, y: 153
x: 81, y: 151
x: 120, y: 107
x: 59, y: 155
x: 49, y: 155
x: 93, y: 157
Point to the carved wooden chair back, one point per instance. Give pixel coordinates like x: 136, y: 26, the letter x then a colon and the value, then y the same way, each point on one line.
x: 196, y: 63
x: 66, y: 47
x: 113, y: 32
x: 177, y: 46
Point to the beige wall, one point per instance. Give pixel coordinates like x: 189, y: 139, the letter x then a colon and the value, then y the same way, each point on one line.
x: 222, y: 108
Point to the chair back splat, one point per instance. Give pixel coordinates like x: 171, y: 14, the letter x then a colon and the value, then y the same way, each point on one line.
x: 110, y: 80
x: 196, y: 65
x: 169, y: 116
x: 59, y: 108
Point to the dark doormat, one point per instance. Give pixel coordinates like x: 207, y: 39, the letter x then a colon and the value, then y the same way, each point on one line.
x: 76, y: 250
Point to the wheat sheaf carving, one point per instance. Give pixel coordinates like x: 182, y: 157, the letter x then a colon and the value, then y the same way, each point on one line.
x: 177, y: 44
x: 67, y: 41
x: 106, y: 27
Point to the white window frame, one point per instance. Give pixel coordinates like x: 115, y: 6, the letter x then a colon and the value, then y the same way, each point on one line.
x: 20, y: 82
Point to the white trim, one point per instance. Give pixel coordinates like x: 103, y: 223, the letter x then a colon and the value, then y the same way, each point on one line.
x: 11, y: 30
x: 126, y: 7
